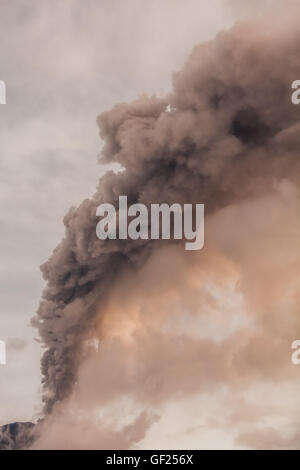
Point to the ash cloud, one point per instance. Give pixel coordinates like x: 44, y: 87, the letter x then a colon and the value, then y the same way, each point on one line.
x: 232, y: 133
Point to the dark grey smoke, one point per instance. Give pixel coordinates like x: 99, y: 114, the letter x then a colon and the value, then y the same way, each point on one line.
x: 225, y: 133
x: 229, y: 131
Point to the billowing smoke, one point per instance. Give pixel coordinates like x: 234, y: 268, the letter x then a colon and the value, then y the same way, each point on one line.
x: 226, y: 136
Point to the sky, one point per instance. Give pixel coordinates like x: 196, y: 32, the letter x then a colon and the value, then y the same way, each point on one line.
x: 63, y: 64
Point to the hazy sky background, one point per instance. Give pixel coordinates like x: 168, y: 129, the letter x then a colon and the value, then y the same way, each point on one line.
x: 64, y: 62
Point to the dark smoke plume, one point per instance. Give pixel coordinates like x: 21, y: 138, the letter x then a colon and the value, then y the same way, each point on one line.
x: 230, y: 130
x: 225, y: 133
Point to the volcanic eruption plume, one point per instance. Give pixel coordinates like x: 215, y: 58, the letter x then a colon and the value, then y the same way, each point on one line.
x: 226, y: 136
